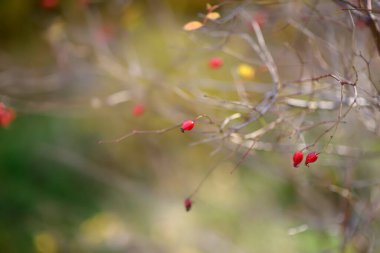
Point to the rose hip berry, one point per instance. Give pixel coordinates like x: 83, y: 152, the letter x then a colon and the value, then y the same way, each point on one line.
x: 215, y: 63
x: 187, y: 125
x: 138, y: 110
x: 7, y: 115
x: 260, y: 18
x: 188, y: 204
x: 297, y: 158
x: 310, y: 158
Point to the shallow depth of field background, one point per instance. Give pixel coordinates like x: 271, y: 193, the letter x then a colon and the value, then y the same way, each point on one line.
x: 74, y: 72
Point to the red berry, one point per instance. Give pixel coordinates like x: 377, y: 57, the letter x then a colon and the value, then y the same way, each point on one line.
x: 260, y: 18
x: 359, y: 23
x: 215, y: 63
x: 188, y: 204
x: 297, y: 158
x: 47, y: 4
x: 187, y: 125
x: 138, y: 110
x: 310, y: 158
x: 105, y: 33
x: 7, y: 115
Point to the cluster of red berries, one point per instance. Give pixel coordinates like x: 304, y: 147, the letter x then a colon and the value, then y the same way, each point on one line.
x: 298, y: 157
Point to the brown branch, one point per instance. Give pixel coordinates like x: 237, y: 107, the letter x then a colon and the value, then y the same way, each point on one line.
x: 242, y: 159
x: 137, y: 132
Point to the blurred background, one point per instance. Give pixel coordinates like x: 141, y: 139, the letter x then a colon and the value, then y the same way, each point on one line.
x: 77, y: 72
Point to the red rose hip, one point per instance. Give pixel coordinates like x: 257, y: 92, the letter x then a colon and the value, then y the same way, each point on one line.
x: 7, y: 115
x: 260, y: 18
x: 138, y: 110
x: 310, y: 158
x: 215, y: 63
x: 187, y: 125
x: 297, y: 158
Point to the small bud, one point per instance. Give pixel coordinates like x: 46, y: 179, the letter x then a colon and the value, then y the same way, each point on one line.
x: 215, y: 63
x: 138, y: 110
x: 297, y: 158
x: 188, y: 204
x: 310, y: 158
x: 187, y: 125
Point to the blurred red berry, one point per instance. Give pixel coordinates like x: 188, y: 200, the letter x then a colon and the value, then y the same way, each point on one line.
x: 310, y: 158
x: 360, y: 23
x: 7, y: 115
x: 297, y: 158
x: 47, y: 4
x: 188, y: 204
x: 187, y: 125
x: 215, y: 63
x: 138, y: 110
x: 260, y: 18
x: 105, y: 33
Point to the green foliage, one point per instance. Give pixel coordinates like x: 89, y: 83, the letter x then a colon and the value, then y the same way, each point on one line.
x: 37, y: 191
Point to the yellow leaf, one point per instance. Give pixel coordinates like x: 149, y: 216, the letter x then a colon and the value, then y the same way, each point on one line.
x: 45, y: 243
x: 192, y: 25
x: 208, y: 6
x: 213, y: 15
x: 246, y: 72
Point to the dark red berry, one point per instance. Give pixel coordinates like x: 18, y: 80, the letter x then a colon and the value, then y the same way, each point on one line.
x: 188, y: 204
x: 187, y: 125
x: 215, y: 63
x: 310, y: 158
x: 297, y: 158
